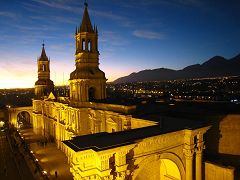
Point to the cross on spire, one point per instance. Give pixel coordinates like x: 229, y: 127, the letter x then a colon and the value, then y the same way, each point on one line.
x: 43, y: 54
x: 85, y: 3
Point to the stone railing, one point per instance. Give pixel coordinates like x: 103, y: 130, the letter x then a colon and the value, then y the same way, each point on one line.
x: 107, y: 107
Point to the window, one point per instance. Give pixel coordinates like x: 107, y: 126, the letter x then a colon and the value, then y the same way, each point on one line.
x: 44, y: 67
x: 89, y: 45
x: 83, y: 44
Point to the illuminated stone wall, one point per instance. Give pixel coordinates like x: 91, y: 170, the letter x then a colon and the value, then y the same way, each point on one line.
x: 229, y: 128
x: 139, y: 123
x: 166, y: 156
x: 214, y: 171
x: 61, y: 122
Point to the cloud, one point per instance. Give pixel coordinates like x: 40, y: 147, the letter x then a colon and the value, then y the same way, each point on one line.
x: 59, y: 4
x: 183, y: 3
x: 59, y: 47
x: 108, y: 15
x: 76, y: 7
x: 189, y: 2
x: 112, y: 38
x: 148, y: 34
x: 26, y: 27
x: 8, y: 14
x: 142, y: 4
x: 60, y: 19
x: 18, y: 70
x: 122, y: 20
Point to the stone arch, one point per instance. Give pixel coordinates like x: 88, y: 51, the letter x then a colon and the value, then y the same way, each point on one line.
x: 166, y: 165
x: 13, y: 112
x: 24, y: 119
x: 173, y: 157
x: 91, y: 93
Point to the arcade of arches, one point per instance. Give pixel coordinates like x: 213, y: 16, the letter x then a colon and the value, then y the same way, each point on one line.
x: 23, y: 119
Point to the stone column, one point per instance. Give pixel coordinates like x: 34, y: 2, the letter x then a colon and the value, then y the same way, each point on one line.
x: 188, y: 153
x: 189, y: 164
x: 121, y: 165
x: 199, y: 149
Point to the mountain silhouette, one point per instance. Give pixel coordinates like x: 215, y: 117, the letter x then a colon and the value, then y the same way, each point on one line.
x: 214, y: 67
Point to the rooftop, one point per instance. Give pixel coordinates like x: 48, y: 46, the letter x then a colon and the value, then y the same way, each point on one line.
x: 103, y: 141
x: 171, y: 118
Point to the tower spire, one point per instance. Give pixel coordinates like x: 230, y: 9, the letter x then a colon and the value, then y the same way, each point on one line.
x: 43, y: 54
x: 86, y: 25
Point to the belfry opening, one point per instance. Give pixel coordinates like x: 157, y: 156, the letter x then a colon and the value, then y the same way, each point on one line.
x: 91, y: 94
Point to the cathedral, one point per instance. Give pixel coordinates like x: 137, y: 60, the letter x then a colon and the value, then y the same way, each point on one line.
x: 105, y: 141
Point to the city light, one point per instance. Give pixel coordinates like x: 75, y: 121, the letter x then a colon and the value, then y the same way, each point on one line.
x: 2, y: 123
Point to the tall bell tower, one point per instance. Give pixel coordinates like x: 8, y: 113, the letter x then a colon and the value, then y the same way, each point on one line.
x: 43, y: 86
x: 87, y: 81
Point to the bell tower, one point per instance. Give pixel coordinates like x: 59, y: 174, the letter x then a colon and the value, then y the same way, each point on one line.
x: 87, y: 81
x: 43, y: 86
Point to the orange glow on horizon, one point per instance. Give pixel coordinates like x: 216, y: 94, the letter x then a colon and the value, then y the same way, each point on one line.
x: 28, y: 82
x: 16, y: 83
x: 15, y: 78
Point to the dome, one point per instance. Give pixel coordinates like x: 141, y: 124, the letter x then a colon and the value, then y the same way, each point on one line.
x: 87, y: 74
x: 44, y: 82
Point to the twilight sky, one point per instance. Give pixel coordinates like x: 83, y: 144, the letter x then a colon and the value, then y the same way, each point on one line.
x: 133, y: 35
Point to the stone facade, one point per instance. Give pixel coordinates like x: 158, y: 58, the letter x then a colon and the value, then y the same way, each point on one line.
x: 60, y: 121
x: 165, y: 156
x: 215, y: 171
x: 229, y: 129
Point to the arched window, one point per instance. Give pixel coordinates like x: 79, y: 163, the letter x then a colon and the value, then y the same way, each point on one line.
x: 89, y: 45
x: 91, y: 94
x: 44, y: 67
x: 83, y: 44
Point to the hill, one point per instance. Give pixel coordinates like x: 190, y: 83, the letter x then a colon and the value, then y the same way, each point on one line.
x: 214, y: 67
